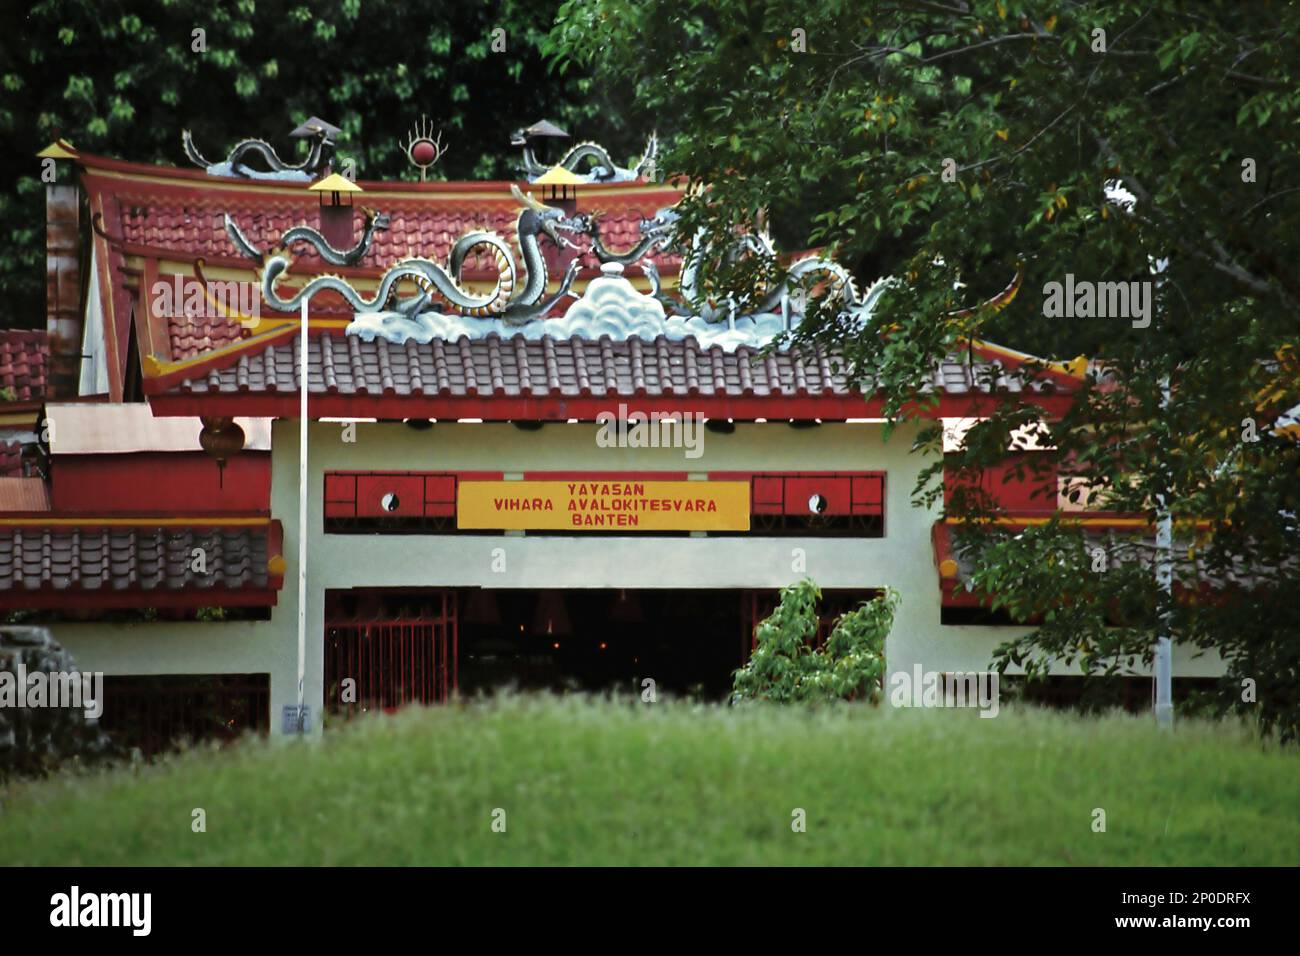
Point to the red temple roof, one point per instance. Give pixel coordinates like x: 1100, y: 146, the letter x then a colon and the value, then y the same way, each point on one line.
x: 146, y: 215
x: 154, y: 223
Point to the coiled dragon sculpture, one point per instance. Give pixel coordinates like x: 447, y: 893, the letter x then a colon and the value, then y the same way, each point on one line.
x: 318, y: 158
x: 603, y: 168
x: 430, y: 279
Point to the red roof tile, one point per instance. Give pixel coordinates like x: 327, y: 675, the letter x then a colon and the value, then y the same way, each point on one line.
x: 198, y: 227
x: 194, y: 336
x: 24, y: 363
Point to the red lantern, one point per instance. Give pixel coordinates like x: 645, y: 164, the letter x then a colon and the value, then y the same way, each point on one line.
x: 220, y: 438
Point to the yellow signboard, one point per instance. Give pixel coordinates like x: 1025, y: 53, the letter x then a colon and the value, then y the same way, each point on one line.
x: 596, y: 505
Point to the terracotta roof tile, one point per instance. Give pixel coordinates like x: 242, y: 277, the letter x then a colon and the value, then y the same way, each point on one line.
x: 24, y: 363
x: 194, y: 336
x: 427, y: 229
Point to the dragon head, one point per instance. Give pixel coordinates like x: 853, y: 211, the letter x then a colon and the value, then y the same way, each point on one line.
x: 588, y: 223
x: 518, y: 138
x: 377, y: 221
x: 537, y: 218
x: 553, y: 225
x: 662, y: 223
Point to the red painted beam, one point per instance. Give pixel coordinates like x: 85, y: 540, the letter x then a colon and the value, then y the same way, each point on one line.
x: 163, y: 484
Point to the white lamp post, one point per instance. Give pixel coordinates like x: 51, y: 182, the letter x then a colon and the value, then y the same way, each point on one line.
x: 302, y: 519
x: 335, y: 186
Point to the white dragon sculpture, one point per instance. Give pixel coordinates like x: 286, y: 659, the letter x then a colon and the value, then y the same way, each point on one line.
x: 659, y: 231
x: 432, y: 280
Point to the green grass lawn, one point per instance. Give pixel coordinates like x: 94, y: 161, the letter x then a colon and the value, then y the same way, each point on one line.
x: 584, y: 781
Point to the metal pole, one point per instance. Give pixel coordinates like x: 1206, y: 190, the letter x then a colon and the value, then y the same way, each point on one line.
x: 1164, y: 578
x: 302, y: 516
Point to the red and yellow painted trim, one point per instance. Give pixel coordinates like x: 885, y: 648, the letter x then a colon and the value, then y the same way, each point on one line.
x: 1083, y: 519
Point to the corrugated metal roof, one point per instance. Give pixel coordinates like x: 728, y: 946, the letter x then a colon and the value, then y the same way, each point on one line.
x: 24, y: 494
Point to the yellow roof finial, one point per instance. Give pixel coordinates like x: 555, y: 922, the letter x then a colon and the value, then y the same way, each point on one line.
x: 59, y: 149
x: 559, y: 176
x: 335, y: 183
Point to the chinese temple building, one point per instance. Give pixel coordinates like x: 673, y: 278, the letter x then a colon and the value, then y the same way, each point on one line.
x: 527, y: 462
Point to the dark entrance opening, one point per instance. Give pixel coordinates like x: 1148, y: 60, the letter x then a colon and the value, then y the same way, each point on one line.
x: 687, y: 642
x: 388, y: 648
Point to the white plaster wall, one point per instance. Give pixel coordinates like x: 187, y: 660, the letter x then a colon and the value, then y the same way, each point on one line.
x: 901, y: 559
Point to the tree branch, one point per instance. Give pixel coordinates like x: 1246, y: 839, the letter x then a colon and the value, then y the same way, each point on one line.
x: 975, y: 46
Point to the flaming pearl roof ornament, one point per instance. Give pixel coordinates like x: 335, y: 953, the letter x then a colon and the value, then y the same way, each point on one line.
x: 423, y: 150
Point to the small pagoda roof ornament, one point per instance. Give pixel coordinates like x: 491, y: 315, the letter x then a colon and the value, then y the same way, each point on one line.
x: 546, y: 128
x: 334, y: 183
x: 315, y: 127
x: 59, y: 149
x: 559, y: 176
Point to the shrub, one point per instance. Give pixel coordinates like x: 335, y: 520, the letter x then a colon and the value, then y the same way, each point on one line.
x: 785, y: 666
x: 36, y: 740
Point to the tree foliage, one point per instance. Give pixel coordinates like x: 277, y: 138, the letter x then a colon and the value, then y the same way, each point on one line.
x: 787, y: 667
x: 123, y: 79
x: 949, y: 144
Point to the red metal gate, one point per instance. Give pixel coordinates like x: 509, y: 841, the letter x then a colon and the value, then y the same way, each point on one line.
x: 392, y: 661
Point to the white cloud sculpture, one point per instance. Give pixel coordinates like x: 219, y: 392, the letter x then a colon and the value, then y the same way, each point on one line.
x: 610, y: 306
